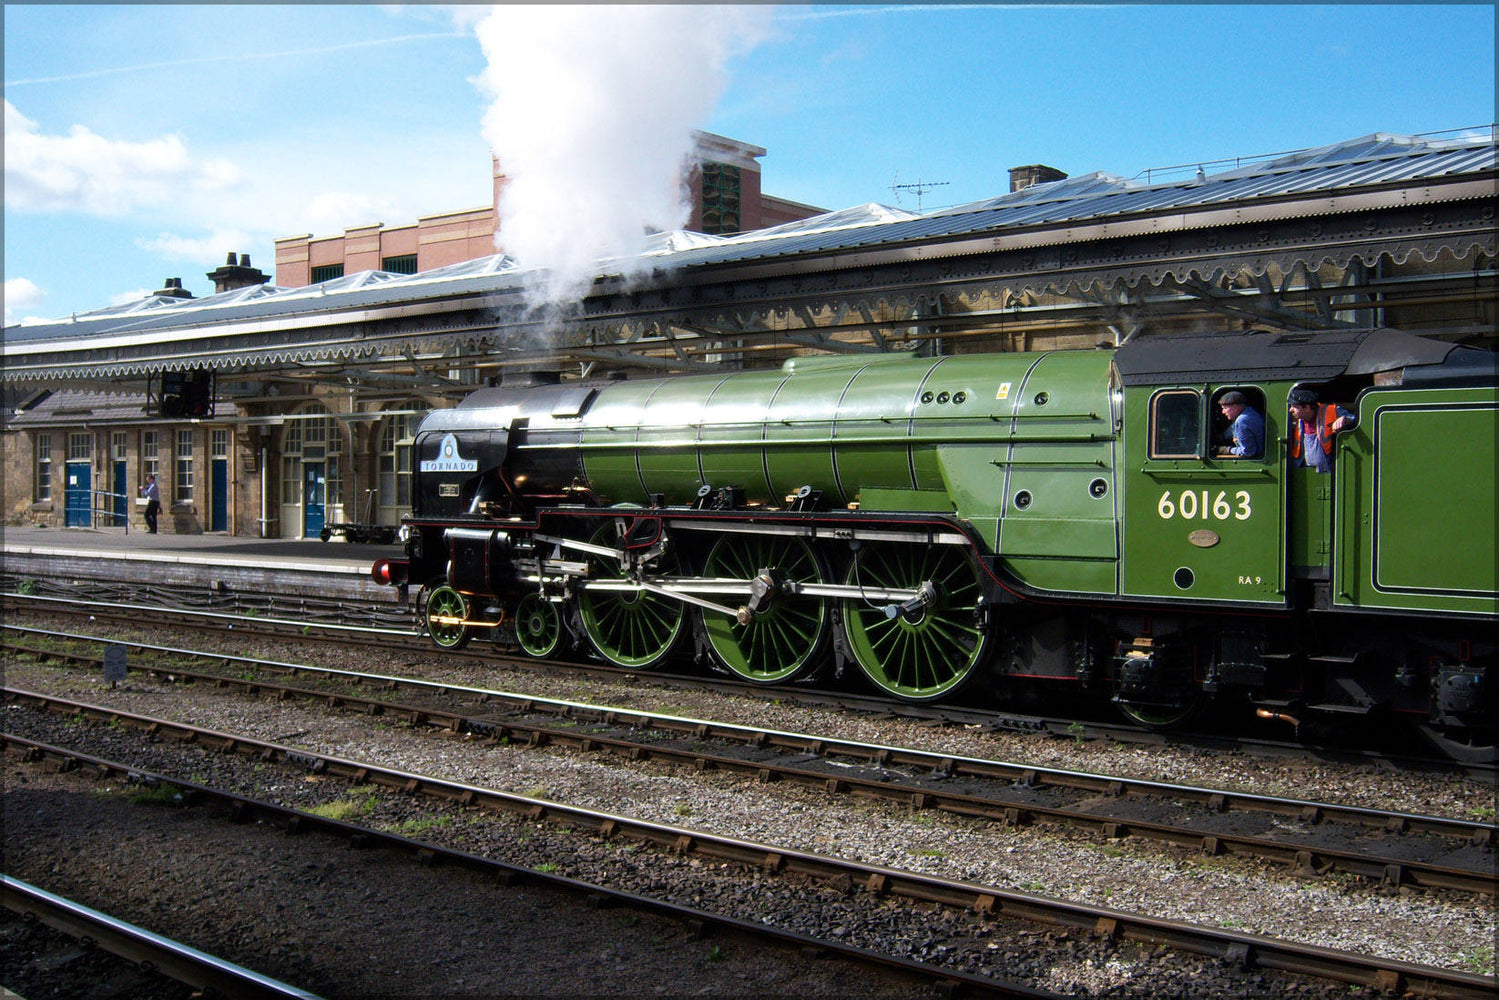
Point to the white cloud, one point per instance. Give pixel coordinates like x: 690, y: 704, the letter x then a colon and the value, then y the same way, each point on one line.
x: 21, y: 295
x: 329, y: 213
x: 125, y: 298
x: 89, y: 173
x: 203, y: 251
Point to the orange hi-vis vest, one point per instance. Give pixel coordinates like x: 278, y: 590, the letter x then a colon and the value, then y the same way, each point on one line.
x: 1328, y: 415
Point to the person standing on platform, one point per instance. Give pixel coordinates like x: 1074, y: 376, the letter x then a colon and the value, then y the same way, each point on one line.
x: 152, y: 493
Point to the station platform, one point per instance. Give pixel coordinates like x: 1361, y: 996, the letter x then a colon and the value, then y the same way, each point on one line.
x: 335, y: 569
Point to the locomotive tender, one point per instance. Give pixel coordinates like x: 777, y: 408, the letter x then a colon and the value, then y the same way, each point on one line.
x: 1053, y: 518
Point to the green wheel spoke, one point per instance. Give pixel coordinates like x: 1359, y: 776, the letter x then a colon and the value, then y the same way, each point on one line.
x: 629, y: 628
x: 538, y: 625
x: 445, y: 603
x: 932, y: 652
x: 786, y: 639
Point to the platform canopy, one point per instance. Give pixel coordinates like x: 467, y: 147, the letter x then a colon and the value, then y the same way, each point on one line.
x: 1379, y: 231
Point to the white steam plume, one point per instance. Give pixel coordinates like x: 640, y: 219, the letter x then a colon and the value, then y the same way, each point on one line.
x: 592, y: 114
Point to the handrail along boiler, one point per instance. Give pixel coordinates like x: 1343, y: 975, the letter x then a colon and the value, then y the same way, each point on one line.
x: 1062, y: 517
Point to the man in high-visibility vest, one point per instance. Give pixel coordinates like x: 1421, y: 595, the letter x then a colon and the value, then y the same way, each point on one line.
x: 1313, y: 426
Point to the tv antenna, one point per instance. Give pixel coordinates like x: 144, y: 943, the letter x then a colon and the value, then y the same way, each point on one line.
x: 921, y: 187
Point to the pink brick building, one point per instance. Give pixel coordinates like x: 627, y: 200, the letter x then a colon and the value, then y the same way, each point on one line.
x: 725, y: 198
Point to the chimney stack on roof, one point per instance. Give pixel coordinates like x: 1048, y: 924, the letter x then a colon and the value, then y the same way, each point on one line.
x: 236, y: 272
x: 1037, y: 173
x: 172, y: 289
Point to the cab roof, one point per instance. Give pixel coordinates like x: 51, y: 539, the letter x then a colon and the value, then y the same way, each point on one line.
x: 1264, y: 355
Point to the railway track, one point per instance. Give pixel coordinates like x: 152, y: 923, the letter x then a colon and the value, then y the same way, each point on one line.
x: 407, y: 641
x: 1388, y: 847
x: 499, y: 882
x: 1245, y: 950
x: 151, y: 952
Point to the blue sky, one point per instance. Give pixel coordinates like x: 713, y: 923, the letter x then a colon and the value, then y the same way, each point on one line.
x: 148, y: 141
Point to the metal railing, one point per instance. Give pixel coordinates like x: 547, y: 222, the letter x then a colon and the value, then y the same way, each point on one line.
x: 101, y: 508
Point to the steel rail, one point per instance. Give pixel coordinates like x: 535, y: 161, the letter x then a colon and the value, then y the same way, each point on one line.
x: 993, y: 719
x: 242, y: 809
x: 172, y: 959
x: 936, y: 765
x: 1304, y: 857
x: 1246, y: 950
x: 221, y: 615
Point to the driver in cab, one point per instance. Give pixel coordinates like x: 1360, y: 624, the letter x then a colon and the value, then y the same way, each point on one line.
x: 1246, y: 427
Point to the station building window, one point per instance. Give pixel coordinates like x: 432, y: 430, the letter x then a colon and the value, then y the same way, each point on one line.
x: 80, y: 447
x: 327, y: 272
x: 43, y: 467
x: 182, y: 491
x: 150, y: 455
x: 404, y: 264
x: 396, y: 439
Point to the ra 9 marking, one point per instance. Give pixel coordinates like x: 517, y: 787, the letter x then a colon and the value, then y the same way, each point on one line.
x: 1193, y: 505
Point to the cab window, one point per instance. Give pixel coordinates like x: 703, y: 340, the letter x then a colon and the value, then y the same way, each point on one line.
x: 1176, y: 424
x: 1238, y: 428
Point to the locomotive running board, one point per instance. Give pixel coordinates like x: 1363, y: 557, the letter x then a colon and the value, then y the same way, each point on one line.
x: 825, y: 531
x: 685, y: 589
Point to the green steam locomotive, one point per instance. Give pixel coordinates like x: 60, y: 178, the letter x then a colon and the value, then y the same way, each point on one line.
x: 1066, y: 518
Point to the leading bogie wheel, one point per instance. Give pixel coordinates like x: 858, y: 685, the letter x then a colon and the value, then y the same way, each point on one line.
x: 918, y: 655
x: 538, y: 626
x: 785, y: 640
x: 445, y: 611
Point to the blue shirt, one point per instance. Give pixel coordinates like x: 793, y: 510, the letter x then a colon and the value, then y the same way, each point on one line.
x: 152, y: 492
x: 1248, y: 432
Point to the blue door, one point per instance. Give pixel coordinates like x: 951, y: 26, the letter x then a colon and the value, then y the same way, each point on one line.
x: 218, y: 512
x: 118, y: 500
x: 312, y: 499
x: 79, y: 495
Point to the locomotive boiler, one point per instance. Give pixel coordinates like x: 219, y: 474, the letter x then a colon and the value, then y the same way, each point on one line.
x: 1062, y: 519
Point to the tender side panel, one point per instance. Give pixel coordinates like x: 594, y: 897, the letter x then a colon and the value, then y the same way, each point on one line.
x: 1417, y: 503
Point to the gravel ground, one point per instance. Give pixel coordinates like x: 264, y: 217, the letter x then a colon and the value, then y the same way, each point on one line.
x: 416, y: 931
x: 1410, y: 925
